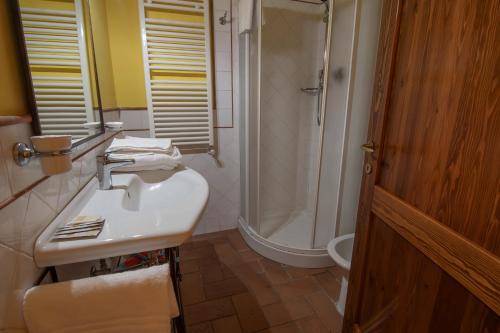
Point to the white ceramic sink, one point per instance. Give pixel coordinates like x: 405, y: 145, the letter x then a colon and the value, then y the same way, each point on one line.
x: 145, y: 211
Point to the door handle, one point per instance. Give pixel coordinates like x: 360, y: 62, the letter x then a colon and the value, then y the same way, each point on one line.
x: 368, y: 147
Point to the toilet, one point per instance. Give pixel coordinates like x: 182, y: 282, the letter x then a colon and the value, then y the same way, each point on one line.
x: 340, y: 249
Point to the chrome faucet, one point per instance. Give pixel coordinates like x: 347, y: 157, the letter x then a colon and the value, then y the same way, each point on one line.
x: 105, y: 165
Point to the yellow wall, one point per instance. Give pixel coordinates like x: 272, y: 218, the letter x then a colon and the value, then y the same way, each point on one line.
x: 12, y: 90
x: 126, y: 52
x: 103, y: 54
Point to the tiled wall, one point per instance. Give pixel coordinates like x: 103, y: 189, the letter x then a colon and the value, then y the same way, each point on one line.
x: 292, y: 42
x: 27, y: 210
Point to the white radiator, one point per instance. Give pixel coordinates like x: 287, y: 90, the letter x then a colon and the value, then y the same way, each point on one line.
x: 177, y: 68
x: 55, y: 42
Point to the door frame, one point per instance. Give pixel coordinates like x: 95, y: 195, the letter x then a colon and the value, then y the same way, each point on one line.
x: 384, y: 70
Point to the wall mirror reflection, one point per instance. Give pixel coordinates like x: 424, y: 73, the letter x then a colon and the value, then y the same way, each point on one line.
x: 59, y: 50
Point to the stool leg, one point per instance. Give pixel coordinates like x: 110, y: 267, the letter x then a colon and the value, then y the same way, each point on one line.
x: 173, y: 261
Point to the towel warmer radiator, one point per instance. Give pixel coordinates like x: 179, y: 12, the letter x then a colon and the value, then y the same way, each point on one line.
x: 177, y: 70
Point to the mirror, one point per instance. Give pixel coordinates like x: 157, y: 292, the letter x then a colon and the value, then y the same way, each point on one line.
x: 60, y: 58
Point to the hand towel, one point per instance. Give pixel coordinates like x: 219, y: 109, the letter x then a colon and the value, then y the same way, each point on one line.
x: 133, y: 144
x: 134, y: 301
x: 149, y: 161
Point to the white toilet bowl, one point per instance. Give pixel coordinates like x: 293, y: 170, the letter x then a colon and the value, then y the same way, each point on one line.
x: 340, y: 249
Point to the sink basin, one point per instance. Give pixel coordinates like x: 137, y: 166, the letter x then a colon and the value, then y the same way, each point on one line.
x: 144, y: 211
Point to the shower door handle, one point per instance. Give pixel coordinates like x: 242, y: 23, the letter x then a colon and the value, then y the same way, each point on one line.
x: 318, y: 109
x: 313, y: 91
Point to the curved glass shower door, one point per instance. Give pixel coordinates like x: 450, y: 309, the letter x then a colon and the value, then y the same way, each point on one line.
x: 292, y: 38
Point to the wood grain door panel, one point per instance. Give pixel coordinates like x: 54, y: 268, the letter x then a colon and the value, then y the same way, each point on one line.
x: 429, y: 300
x: 426, y: 254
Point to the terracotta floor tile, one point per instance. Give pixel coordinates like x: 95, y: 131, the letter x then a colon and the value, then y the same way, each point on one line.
x: 226, y: 325
x: 212, y: 274
x: 283, y: 312
x: 209, y: 310
x: 227, y: 287
x: 237, y: 241
x: 285, y: 328
x: 223, y: 288
x: 227, y: 254
x: 325, y: 311
x: 274, y: 272
x: 227, y: 272
x: 299, y: 272
x: 189, y: 266
x: 329, y: 283
x: 257, y: 284
x: 249, y: 312
x: 200, y: 328
x: 276, y: 314
x: 266, y: 296
x: 218, y: 240
x: 298, y: 308
x: 201, y: 243
x: 337, y: 272
x: 204, y: 263
x: 192, y: 288
x: 312, y: 325
x: 249, y: 255
x: 199, y: 253
x: 297, y: 288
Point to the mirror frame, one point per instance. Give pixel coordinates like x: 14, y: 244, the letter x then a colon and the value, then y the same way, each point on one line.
x: 23, y: 56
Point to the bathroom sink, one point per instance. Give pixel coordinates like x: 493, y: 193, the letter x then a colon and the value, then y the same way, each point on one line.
x: 144, y: 211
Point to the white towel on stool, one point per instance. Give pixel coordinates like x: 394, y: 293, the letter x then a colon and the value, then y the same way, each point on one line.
x: 134, y: 301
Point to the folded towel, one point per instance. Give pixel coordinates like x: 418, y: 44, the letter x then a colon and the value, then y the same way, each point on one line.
x: 134, y: 301
x: 133, y: 144
x: 149, y: 161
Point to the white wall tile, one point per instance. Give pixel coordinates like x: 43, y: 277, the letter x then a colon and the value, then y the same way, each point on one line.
x: 70, y: 182
x: 38, y: 216
x: 134, y: 119
x: 224, y: 117
x: 223, y: 81
x: 111, y: 116
x: 224, y: 99
x: 48, y: 191
x: 222, y: 41
x: 222, y: 4
x: 222, y: 61
x: 89, y: 167
x: 5, y: 191
x: 11, y: 222
x: 138, y: 134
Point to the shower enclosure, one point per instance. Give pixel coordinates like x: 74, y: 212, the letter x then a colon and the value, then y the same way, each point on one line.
x: 296, y: 74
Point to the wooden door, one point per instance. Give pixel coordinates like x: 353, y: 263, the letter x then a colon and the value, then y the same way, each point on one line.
x: 426, y: 255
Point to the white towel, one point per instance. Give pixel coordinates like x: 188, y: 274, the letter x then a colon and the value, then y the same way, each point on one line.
x: 133, y: 144
x: 134, y: 301
x: 149, y: 161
